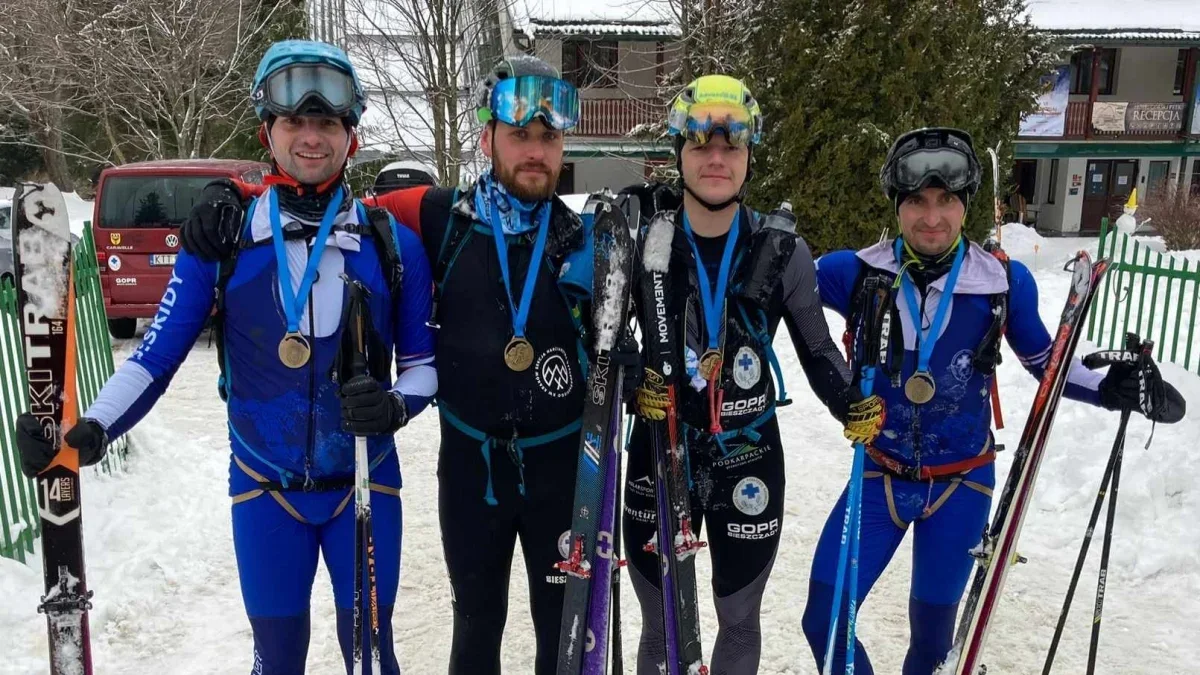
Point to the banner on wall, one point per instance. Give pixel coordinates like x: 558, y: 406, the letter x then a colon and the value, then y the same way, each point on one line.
x: 1109, y: 116
x: 1050, y: 117
x: 1196, y: 109
x: 1155, y: 116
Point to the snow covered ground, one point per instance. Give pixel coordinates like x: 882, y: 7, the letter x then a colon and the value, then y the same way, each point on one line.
x: 160, y: 557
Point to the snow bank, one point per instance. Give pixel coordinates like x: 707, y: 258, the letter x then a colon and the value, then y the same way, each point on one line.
x: 78, y: 208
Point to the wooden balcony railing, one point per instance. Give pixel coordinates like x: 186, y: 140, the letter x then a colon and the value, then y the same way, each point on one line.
x: 615, y: 117
x: 1078, y: 121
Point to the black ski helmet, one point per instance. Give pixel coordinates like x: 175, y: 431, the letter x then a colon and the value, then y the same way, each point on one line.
x: 940, y: 156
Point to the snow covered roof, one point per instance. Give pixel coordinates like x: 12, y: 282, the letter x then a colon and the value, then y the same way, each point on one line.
x: 1118, y: 19
x: 648, y: 18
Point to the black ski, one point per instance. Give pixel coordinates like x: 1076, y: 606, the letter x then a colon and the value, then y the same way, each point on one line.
x: 46, y: 298
x: 610, y: 300
x: 674, y: 541
x: 997, y: 552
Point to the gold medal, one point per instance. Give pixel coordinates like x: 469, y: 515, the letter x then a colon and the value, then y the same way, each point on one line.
x: 518, y: 354
x: 294, y: 350
x: 920, y: 387
x: 710, y: 363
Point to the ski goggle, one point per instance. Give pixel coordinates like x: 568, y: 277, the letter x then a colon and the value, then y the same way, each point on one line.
x: 948, y: 166
x: 303, y: 88
x: 518, y: 100
x: 701, y: 122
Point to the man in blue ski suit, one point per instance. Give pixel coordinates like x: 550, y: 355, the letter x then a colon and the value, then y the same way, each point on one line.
x: 930, y: 457
x: 280, y: 313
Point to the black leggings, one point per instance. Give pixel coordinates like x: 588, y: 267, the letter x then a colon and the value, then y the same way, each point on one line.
x: 478, y: 541
x: 737, y: 492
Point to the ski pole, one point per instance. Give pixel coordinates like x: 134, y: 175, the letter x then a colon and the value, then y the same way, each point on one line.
x: 852, y: 518
x: 860, y: 451
x: 1118, y: 446
x: 364, y: 536
x: 1107, y: 546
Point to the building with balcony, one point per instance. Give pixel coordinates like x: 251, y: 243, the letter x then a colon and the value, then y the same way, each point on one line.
x: 618, y: 54
x: 1120, y: 112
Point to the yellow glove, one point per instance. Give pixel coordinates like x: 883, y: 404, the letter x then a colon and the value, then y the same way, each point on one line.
x: 652, y: 401
x: 865, y: 420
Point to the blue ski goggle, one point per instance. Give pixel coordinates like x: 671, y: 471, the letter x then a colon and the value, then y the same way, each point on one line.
x: 518, y: 100
x: 307, y: 88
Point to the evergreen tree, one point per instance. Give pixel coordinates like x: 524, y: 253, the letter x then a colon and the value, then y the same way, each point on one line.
x: 849, y: 78
x: 150, y: 211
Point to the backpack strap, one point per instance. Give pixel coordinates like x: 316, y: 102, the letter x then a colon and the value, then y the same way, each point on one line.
x: 224, y: 273
x: 387, y: 245
x: 987, y: 355
x: 458, y: 232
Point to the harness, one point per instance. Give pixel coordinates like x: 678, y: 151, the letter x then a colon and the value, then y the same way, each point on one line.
x: 985, y: 360
x: 460, y: 227
x: 378, y: 225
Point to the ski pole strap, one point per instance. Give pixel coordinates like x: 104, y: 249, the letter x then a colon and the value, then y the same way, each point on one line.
x: 941, y: 472
x: 515, y: 446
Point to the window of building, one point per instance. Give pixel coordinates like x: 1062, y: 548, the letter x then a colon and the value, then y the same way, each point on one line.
x: 566, y: 179
x: 1195, y: 177
x: 1050, y: 193
x: 590, y: 63
x: 1081, y: 71
x: 1180, y: 67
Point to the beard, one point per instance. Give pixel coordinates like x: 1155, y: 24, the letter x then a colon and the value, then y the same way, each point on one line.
x: 530, y: 190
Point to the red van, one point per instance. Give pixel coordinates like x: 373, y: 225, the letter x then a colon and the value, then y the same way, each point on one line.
x: 137, y: 213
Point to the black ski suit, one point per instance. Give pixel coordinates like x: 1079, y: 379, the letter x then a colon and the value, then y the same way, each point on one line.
x: 513, y: 484
x: 737, y: 476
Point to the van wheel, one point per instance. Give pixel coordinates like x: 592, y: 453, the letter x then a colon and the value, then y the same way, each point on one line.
x: 122, y: 329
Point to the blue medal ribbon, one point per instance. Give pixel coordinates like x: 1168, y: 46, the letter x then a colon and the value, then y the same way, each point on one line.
x: 293, y: 301
x: 708, y: 295
x: 520, y: 312
x: 926, y: 340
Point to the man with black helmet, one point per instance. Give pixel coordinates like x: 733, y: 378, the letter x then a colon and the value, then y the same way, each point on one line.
x: 932, y: 465
x: 512, y: 272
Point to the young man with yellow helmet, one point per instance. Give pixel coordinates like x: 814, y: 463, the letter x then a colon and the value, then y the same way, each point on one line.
x: 733, y: 276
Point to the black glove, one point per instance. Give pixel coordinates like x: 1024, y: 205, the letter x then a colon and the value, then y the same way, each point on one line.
x: 212, y: 230
x: 368, y: 409
x: 37, y: 451
x: 1133, y: 382
x: 626, y: 354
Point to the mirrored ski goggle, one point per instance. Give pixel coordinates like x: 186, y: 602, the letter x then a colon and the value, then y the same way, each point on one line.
x: 299, y: 88
x: 518, y: 100
x: 916, y: 170
x: 701, y: 122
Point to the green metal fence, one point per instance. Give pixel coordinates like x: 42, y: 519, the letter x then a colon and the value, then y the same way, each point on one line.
x: 19, y: 524
x: 1148, y: 293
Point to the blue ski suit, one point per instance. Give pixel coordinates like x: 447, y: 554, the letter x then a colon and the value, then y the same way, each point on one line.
x: 948, y: 514
x: 291, y: 465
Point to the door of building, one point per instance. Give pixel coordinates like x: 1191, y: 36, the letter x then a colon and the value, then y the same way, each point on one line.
x: 1106, y: 189
x: 1095, y: 195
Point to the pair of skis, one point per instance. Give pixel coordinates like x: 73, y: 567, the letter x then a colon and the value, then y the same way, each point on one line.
x: 592, y: 566
x: 46, y: 304
x: 592, y: 563
x: 997, y: 552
